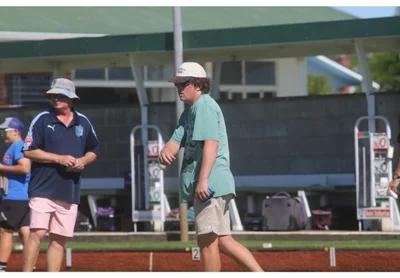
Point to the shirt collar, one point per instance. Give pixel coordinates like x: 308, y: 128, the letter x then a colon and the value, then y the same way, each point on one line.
x: 55, y: 120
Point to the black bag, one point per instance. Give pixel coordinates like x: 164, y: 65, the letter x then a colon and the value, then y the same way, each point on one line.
x: 82, y: 223
x: 107, y: 219
x: 283, y: 212
x: 253, y: 222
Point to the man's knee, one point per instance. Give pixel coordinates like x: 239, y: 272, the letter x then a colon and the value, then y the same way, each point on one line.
x: 37, y: 235
x: 5, y: 232
x: 207, y: 240
x: 224, y: 242
x: 58, y: 241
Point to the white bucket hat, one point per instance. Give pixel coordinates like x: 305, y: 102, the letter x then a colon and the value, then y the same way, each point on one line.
x: 64, y: 87
x: 187, y: 71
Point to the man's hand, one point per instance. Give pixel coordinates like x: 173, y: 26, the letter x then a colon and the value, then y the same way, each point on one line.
x: 394, y: 184
x: 66, y: 160
x: 202, y: 190
x: 79, y: 165
x: 166, y: 157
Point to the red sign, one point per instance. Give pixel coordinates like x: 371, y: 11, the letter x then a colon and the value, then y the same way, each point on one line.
x: 379, y: 213
x: 380, y: 142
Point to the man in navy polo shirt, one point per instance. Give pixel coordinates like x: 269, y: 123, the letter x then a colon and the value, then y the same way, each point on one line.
x: 60, y: 142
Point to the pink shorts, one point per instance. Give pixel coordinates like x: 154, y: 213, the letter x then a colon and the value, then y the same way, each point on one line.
x: 58, y: 217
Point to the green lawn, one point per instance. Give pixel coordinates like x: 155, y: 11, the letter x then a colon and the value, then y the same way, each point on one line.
x: 376, y: 244
x: 351, y: 244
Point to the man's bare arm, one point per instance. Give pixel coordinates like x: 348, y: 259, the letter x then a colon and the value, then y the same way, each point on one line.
x: 88, y: 158
x: 168, y: 153
x: 397, y: 171
x: 172, y: 147
x: 22, y: 168
x: 210, y: 152
x: 46, y: 157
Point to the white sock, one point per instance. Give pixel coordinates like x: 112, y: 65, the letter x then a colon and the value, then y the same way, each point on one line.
x: 3, y: 267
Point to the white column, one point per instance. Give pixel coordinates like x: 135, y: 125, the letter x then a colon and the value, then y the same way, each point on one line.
x: 250, y: 204
x: 216, y: 80
x: 366, y: 83
x: 57, y: 72
x: 137, y: 72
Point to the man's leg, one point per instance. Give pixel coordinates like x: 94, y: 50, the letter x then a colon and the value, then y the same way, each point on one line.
x: 55, y: 252
x: 40, y: 214
x: 32, y: 248
x: 227, y: 244
x: 24, y: 235
x: 230, y: 247
x: 207, y: 238
x: 61, y: 228
x: 209, y: 251
x: 6, y: 241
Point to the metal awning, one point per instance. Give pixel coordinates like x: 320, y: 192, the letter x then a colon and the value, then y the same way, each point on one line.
x: 247, y: 43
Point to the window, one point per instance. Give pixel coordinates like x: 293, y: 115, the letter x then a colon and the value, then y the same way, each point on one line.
x: 109, y: 96
x: 260, y: 73
x: 231, y: 73
x: 88, y: 74
x: 28, y: 88
x: 160, y: 73
x: 120, y: 74
x: 255, y: 73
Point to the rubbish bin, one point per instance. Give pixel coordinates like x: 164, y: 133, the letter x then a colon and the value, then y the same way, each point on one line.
x: 322, y: 219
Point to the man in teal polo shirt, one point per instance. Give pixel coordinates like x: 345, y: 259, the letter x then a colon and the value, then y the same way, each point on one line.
x: 201, y: 132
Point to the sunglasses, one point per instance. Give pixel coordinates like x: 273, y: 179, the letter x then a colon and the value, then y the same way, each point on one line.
x: 57, y: 96
x: 4, y: 131
x: 183, y: 84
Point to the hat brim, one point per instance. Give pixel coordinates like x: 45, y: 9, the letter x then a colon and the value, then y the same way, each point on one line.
x: 57, y: 91
x: 3, y: 125
x: 180, y: 79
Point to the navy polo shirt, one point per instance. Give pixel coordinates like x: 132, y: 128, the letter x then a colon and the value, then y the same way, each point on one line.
x: 46, y: 132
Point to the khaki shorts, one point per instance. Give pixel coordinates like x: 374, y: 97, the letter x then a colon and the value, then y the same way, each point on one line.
x: 213, y: 216
x: 58, y: 217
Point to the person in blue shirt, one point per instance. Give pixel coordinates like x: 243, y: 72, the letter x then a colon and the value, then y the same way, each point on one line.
x: 14, y: 206
x: 61, y: 142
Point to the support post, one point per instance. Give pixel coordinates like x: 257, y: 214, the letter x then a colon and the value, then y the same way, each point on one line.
x: 366, y: 86
x: 57, y: 72
x: 137, y: 72
x: 250, y: 203
x: 178, y: 51
x: 217, y: 67
x: 366, y: 83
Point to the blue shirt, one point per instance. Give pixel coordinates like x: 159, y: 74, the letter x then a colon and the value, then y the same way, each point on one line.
x: 46, y: 132
x: 17, y: 184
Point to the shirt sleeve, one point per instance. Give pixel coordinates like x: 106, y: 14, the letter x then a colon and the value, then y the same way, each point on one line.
x: 92, y: 143
x: 205, y: 124
x: 34, y: 137
x: 179, y: 134
x: 17, y: 152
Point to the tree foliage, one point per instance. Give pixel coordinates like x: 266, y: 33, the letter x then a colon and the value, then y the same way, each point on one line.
x: 385, y: 69
x: 318, y: 85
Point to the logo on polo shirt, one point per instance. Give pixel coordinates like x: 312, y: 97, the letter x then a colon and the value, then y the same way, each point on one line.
x: 28, y: 140
x: 79, y: 130
x: 6, y: 158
